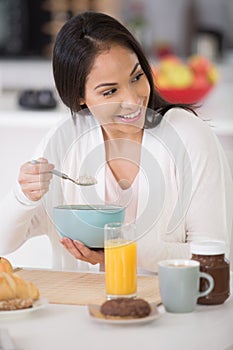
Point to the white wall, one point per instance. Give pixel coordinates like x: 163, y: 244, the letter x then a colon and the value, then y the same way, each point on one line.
x: 175, y: 20
x: 20, y: 133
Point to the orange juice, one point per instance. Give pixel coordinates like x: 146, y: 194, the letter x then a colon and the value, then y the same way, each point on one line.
x: 120, y: 268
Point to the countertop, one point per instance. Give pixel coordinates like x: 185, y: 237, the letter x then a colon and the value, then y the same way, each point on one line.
x: 71, y: 327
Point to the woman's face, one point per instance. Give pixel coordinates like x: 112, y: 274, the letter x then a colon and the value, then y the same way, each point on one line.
x: 117, y: 90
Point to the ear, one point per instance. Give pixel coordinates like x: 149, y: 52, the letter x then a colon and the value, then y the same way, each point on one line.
x: 82, y: 101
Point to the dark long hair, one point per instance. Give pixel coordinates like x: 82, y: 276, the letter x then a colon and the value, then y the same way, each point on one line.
x: 78, y: 43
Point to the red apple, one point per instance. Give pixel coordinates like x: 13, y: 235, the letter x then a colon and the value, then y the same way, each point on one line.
x: 200, y: 82
x: 163, y: 50
x: 199, y: 64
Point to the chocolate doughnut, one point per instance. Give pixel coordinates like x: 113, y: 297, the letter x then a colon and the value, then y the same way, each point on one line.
x: 126, y: 307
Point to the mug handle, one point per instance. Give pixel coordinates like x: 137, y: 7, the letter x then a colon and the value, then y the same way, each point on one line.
x: 211, y: 284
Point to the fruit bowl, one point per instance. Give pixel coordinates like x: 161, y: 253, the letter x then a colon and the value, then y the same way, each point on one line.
x: 185, y: 95
x: 188, y: 81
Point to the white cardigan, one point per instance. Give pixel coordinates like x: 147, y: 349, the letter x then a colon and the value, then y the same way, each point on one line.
x: 185, y: 189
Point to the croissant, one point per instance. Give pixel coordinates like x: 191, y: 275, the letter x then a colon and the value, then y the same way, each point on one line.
x: 15, y: 293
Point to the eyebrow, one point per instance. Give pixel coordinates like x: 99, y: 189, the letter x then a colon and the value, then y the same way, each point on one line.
x: 112, y: 84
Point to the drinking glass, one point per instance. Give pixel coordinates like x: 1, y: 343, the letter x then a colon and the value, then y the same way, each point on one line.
x: 120, y: 249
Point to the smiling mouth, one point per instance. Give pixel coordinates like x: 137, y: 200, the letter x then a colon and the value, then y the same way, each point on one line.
x: 131, y: 116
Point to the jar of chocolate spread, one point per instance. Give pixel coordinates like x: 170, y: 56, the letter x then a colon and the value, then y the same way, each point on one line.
x: 211, y: 255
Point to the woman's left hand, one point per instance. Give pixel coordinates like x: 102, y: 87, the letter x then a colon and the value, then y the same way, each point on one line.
x: 82, y: 252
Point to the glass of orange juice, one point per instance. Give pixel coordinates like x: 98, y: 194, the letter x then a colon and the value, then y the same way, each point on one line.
x: 120, y: 250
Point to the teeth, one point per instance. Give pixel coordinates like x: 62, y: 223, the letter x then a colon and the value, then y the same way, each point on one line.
x: 131, y: 115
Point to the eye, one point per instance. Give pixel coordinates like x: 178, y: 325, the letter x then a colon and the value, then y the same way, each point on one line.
x: 109, y: 92
x: 138, y: 76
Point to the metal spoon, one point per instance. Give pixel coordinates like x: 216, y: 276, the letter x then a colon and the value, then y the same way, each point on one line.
x: 81, y: 181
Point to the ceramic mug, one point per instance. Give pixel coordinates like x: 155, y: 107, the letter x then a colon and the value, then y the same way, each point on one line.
x: 179, y: 282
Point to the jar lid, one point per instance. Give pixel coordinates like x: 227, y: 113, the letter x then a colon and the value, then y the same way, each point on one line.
x: 214, y: 247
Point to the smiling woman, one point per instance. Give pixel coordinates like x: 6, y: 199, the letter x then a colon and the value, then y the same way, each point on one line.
x: 155, y: 158
x: 128, y: 91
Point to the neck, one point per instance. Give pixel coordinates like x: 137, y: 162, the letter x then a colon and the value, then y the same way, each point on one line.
x: 111, y: 134
x: 123, y: 146
x: 123, y: 152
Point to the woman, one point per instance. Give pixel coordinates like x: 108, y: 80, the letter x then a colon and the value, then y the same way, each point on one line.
x: 158, y: 159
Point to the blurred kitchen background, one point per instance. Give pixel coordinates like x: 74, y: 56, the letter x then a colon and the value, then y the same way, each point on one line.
x: 28, y: 29
x: 27, y: 32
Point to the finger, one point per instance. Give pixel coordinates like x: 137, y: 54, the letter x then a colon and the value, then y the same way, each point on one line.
x: 81, y: 252
x: 86, y: 252
x: 35, y: 195
x: 35, y: 170
x: 30, y: 178
x: 76, y: 252
x: 35, y: 186
x: 69, y: 245
x: 40, y: 166
x: 42, y: 160
x: 45, y: 177
x: 94, y: 257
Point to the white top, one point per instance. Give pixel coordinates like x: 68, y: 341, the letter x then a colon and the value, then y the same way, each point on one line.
x: 185, y: 189
x: 127, y: 198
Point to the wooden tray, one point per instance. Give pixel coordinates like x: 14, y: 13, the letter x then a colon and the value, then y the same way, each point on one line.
x: 82, y: 288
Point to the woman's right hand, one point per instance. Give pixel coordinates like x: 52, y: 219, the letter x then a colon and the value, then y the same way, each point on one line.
x: 34, y: 179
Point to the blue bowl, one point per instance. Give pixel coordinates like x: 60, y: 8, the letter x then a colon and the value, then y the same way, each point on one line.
x: 85, y: 223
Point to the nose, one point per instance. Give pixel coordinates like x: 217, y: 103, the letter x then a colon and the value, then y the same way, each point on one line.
x: 129, y: 98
